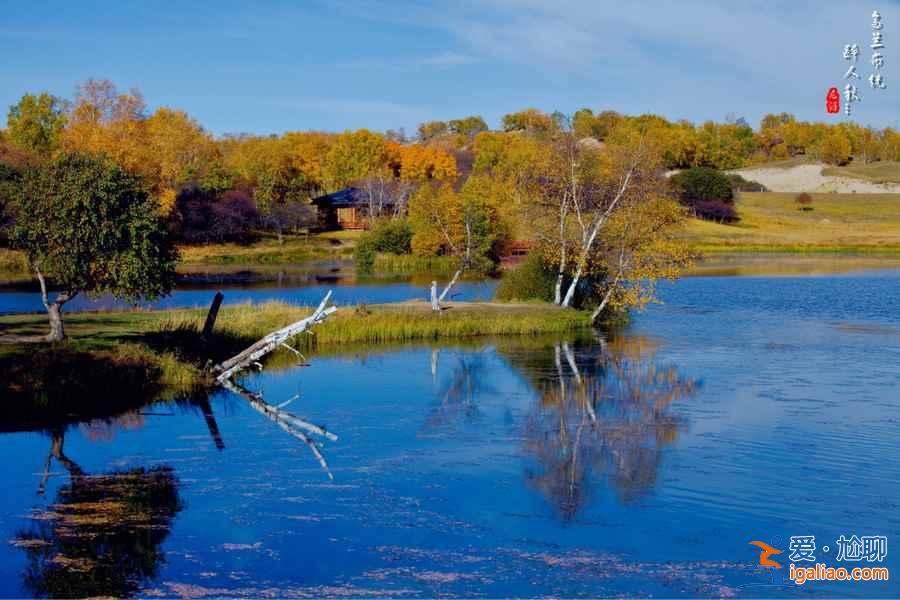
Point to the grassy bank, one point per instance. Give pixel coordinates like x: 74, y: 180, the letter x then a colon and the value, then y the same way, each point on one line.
x: 410, y: 263
x: 885, y: 171
x: 268, y: 250
x: 163, y: 348
x: 837, y: 223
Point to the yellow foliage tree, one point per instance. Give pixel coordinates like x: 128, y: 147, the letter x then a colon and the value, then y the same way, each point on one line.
x: 355, y: 155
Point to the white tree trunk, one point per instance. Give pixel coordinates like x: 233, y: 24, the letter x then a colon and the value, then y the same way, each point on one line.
x: 435, y: 303
x: 588, y: 241
x: 597, y: 311
x: 450, y: 285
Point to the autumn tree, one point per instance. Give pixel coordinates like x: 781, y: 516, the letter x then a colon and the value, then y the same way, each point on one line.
x: 432, y: 129
x: 35, y: 123
x: 465, y: 225
x: 86, y: 226
x: 835, y: 148
x: 638, y: 248
x: 179, y: 150
x: 530, y: 120
x: 354, y: 156
x: 468, y: 127
x: 167, y: 149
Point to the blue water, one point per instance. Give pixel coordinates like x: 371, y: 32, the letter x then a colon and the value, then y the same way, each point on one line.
x: 306, y: 295
x: 638, y: 462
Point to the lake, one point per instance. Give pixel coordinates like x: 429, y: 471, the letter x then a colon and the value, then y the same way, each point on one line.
x: 306, y: 284
x: 296, y: 285
x: 632, y: 462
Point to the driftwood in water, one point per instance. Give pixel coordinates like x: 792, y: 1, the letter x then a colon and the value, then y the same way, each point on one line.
x: 211, y: 315
x: 227, y: 369
x: 290, y: 423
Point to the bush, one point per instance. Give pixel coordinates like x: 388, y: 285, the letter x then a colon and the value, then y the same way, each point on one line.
x: 392, y: 236
x: 715, y: 210
x: 201, y: 218
x: 804, y: 201
x: 702, y: 183
x: 364, y: 254
x: 739, y: 184
x: 533, y: 279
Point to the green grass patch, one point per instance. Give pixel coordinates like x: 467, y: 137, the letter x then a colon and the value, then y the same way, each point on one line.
x: 410, y: 263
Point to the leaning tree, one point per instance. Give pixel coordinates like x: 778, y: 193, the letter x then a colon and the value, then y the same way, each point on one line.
x: 86, y: 226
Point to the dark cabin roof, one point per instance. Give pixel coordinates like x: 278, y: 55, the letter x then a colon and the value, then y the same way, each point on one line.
x: 346, y: 198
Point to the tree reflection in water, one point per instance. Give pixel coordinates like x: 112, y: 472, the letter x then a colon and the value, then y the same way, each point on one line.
x: 457, y: 393
x: 602, y: 416
x: 102, y: 535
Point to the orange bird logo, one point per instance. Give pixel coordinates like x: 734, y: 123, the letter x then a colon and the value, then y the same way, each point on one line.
x: 767, y: 551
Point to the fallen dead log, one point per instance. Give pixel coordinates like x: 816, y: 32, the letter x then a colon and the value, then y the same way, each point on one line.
x: 224, y: 371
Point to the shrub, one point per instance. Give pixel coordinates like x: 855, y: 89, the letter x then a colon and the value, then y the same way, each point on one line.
x: 393, y: 236
x: 702, y: 183
x: 533, y: 279
x: 804, y: 201
x: 232, y: 217
x: 390, y: 236
x: 201, y: 218
x: 289, y: 217
x: 364, y: 254
x: 739, y: 184
x: 715, y: 210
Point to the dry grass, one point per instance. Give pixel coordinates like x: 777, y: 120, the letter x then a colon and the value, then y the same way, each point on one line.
x: 402, y: 322
x: 268, y: 250
x: 787, y: 163
x: 877, y: 172
x: 771, y: 222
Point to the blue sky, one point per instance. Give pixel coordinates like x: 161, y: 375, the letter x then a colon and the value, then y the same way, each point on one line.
x: 269, y: 67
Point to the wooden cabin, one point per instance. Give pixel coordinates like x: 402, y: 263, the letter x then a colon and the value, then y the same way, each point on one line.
x: 345, y: 209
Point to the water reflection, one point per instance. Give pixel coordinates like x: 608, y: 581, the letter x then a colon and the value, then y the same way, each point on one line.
x: 456, y: 395
x: 603, y: 414
x: 102, y: 534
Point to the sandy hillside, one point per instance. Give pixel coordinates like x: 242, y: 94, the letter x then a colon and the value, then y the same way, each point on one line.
x: 809, y: 178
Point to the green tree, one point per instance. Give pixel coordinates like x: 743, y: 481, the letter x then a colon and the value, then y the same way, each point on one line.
x: 703, y: 183
x: 87, y: 226
x: 9, y: 185
x: 469, y: 126
x: 36, y: 122
x: 432, y: 129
